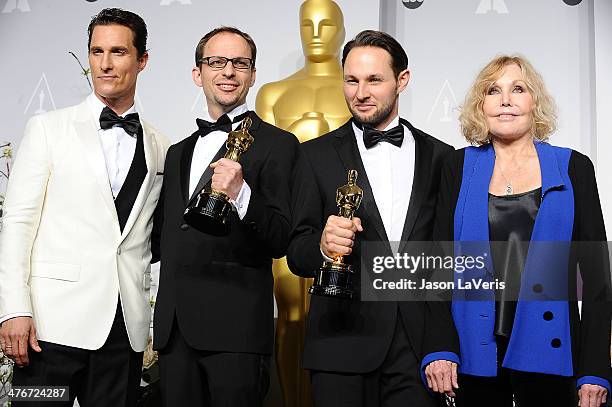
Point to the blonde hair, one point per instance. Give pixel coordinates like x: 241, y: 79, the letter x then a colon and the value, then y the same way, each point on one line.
x: 472, y: 119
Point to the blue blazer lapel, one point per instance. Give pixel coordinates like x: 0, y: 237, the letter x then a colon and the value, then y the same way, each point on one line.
x: 546, y: 267
x: 472, y: 218
x: 473, y: 222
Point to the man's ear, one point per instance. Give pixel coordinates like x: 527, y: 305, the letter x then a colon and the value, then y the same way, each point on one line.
x: 402, y: 80
x: 253, y: 76
x: 196, y: 75
x: 142, y: 61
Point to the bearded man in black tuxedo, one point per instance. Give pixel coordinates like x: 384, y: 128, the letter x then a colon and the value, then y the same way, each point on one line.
x: 372, y: 353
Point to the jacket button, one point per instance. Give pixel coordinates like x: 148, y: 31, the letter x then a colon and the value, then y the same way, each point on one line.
x: 537, y: 288
x: 548, y: 316
x: 555, y: 343
x: 184, y: 226
x: 119, y: 250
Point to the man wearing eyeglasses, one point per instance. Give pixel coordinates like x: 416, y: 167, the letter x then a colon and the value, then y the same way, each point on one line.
x: 214, y: 312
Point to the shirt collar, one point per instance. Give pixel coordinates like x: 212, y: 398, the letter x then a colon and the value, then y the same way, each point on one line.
x: 96, y: 106
x: 394, y: 123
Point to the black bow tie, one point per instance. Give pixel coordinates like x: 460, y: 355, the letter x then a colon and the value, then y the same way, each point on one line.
x: 129, y: 123
x: 371, y: 136
x: 223, y: 123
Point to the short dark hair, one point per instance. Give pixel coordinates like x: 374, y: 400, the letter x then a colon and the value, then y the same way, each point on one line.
x: 126, y: 18
x: 371, y: 38
x: 199, y: 52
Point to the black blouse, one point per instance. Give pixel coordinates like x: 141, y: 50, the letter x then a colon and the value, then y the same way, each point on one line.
x: 511, y: 220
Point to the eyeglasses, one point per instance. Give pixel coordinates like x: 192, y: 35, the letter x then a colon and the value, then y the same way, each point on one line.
x: 217, y: 63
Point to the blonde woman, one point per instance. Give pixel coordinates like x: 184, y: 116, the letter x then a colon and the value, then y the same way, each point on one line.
x: 512, y: 186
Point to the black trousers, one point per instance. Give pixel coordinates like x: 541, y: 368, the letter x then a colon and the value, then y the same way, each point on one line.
x: 192, y: 377
x: 526, y: 389
x: 396, y: 383
x: 109, y: 376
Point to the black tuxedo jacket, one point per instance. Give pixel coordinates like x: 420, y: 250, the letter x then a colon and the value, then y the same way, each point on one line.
x: 219, y: 289
x: 350, y: 335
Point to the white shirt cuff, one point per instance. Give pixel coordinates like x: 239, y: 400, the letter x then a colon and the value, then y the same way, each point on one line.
x: 325, y: 257
x: 242, y: 200
x: 15, y: 315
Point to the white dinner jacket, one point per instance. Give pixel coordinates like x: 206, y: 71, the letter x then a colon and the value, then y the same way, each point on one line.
x: 63, y: 257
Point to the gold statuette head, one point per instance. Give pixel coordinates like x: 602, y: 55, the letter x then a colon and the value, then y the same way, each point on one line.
x: 348, y: 197
x: 321, y: 29
x: 239, y: 140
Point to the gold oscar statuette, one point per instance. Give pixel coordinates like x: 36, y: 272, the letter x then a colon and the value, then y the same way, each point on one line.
x: 308, y: 103
x: 209, y: 212
x: 335, y: 278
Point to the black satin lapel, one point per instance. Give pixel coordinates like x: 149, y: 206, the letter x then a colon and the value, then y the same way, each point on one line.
x: 420, y: 182
x: 254, y: 150
x: 256, y: 122
x: 207, y: 174
x: 186, y: 156
x: 346, y: 145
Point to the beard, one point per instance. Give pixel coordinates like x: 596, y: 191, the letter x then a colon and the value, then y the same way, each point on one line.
x: 228, y: 102
x: 376, y: 118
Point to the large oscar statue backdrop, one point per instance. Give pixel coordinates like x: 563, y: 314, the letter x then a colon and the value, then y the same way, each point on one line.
x: 308, y: 103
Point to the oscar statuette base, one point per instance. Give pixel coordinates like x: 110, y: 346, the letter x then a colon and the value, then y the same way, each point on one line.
x: 210, y: 213
x: 333, y: 279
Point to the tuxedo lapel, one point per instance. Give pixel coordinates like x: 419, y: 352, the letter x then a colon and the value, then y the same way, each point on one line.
x: 150, y: 152
x: 255, y: 123
x: 185, y: 172
x: 207, y: 174
x: 254, y: 151
x: 346, y: 146
x: 422, y: 171
x: 87, y: 134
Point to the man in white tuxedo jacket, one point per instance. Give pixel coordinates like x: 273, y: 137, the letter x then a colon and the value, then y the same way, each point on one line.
x: 75, y: 240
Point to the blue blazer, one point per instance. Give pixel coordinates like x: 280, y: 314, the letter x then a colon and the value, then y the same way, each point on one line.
x: 537, y: 344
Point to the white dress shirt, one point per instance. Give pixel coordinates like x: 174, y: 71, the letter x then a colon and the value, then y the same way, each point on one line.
x: 117, y: 145
x: 205, y: 150
x: 118, y: 148
x: 390, y: 171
